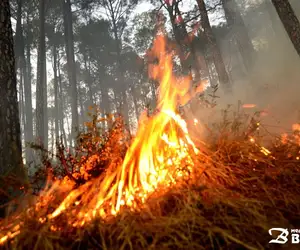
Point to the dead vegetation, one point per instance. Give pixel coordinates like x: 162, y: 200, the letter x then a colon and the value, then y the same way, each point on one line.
x: 238, y: 191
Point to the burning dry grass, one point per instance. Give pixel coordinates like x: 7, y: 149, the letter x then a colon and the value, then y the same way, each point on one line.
x: 235, y: 197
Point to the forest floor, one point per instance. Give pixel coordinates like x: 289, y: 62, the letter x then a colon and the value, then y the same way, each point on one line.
x: 243, y: 191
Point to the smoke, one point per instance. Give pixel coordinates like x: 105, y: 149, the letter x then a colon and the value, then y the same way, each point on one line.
x: 273, y: 85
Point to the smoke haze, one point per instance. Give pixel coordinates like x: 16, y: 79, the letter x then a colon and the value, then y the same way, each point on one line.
x: 274, y: 84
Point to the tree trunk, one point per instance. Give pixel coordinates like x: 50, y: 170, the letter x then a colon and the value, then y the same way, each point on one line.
x: 41, y: 101
x: 52, y: 134
x: 238, y: 29
x: 61, y: 108
x: 69, y: 40
x: 216, y: 53
x: 19, y: 63
x: 179, y: 38
x: 19, y: 34
x: 57, y: 106
x: 89, y: 78
x: 289, y: 21
x: 21, y: 107
x: 28, y: 94
x: 28, y: 110
x: 120, y: 73
x: 189, y: 54
x: 25, y: 72
x: 83, y: 116
x: 10, y: 143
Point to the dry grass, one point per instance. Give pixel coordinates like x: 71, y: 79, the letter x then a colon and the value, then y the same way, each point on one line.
x: 235, y: 196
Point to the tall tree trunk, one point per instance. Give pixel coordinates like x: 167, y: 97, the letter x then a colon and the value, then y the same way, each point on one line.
x: 10, y: 143
x: 90, y: 100
x: 87, y: 66
x: 89, y: 78
x: 28, y: 94
x: 82, y: 113
x: 239, y: 31
x: 61, y: 107
x: 25, y: 79
x: 19, y: 33
x: 41, y: 100
x: 120, y: 73
x: 21, y: 106
x: 28, y: 112
x: 189, y: 54
x: 52, y: 134
x: 45, y: 107
x: 216, y: 53
x: 69, y: 40
x: 182, y: 46
x: 19, y: 62
x: 57, y: 106
x: 289, y: 21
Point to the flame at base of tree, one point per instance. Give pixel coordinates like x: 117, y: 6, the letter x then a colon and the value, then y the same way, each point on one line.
x: 161, y: 154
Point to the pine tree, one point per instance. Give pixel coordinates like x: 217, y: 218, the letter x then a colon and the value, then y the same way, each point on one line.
x: 289, y: 21
x: 215, y: 50
x: 10, y: 143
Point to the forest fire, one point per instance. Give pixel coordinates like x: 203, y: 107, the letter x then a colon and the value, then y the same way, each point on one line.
x: 161, y: 154
x: 219, y: 170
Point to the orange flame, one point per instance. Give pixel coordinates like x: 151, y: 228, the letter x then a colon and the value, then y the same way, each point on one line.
x: 161, y: 148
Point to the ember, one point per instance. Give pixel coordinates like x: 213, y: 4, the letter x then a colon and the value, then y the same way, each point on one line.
x: 248, y: 106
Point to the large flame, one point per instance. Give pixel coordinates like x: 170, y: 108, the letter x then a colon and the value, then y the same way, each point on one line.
x: 160, y: 155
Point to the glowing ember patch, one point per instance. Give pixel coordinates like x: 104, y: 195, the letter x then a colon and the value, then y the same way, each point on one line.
x: 11, y: 235
x: 42, y: 220
x: 296, y: 127
x: 284, y: 138
x: 249, y: 106
x: 265, y: 151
